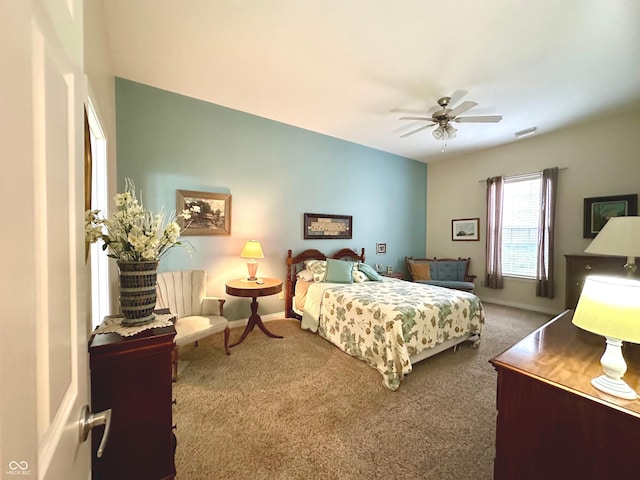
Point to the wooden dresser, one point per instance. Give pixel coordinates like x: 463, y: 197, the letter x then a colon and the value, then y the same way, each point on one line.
x: 132, y: 377
x: 579, y: 266
x: 552, y: 424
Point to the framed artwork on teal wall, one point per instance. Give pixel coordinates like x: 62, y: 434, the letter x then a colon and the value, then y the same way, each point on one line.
x: 211, y: 212
x: 321, y: 226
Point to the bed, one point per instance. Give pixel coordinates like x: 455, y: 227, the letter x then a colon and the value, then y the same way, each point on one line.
x: 388, y: 323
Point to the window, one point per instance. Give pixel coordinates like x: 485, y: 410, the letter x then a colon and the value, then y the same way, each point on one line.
x: 520, y: 224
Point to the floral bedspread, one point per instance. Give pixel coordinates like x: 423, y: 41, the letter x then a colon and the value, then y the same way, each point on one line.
x: 383, y: 323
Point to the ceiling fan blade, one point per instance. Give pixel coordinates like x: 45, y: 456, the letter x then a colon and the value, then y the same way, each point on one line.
x: 463, y: 107
x: 481, y: 119
x: 429, y: 119
x: 457, y: 96
x: 417, y: 130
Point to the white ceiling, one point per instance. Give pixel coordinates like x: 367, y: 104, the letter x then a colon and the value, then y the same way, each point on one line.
x: 339, y: 67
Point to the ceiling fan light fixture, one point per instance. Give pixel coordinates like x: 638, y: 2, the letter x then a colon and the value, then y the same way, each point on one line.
x: 526, y: 132
x: 444, y: 132
x: 451, y: 132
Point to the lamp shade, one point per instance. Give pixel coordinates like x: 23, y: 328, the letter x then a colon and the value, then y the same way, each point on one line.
x: 610, y: 306
x: 619, y: 236
x: 252, y: 249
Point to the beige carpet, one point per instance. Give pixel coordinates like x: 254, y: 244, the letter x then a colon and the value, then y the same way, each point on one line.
x: 299, y: 408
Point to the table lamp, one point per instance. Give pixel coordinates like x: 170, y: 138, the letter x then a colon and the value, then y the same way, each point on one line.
x: 610, y: 306
x: 619, y: 236
x: 252, y: 250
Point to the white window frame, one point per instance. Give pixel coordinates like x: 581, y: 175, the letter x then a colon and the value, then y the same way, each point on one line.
x: 521, y: 224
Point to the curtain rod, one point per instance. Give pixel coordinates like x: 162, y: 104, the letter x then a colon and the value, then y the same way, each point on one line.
x: 523, y: 174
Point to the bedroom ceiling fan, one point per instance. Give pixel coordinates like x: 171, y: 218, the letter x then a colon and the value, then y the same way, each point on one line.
x: 445, y: 115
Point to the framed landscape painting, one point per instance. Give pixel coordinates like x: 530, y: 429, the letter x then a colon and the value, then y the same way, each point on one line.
x: 213, y: 217
x: 598, y: 210
x: 465, y: 229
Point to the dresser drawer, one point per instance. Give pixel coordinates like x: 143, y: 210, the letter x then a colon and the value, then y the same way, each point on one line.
x: 580, y: 266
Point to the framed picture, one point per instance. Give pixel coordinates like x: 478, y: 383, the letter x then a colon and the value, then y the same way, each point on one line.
x: 381, y: 248
x: 214, y: 217
x: 320, y: 226
x: 597, y: 210
x: 465, y: 229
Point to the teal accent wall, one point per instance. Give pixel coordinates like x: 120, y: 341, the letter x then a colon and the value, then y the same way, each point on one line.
x: 275, y: 173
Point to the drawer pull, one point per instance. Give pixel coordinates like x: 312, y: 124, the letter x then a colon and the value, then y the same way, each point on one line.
x: 588, y: 267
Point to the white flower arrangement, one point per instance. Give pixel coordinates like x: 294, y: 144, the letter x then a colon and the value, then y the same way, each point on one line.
x: 133, y: 234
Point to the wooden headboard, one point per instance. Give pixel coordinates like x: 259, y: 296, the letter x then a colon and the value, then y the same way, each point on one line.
x: 296, y: 264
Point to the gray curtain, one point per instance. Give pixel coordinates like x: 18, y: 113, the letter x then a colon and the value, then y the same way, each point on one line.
x: 493, y: 274
x: 545, y: 286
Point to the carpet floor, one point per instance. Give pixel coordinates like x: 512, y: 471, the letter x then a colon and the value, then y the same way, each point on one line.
x: 299, y: 408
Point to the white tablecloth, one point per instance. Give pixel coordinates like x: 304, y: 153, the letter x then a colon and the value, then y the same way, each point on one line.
x: 113, y: 324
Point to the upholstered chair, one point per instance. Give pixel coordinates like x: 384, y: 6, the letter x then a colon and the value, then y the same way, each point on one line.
x: 197, y: 316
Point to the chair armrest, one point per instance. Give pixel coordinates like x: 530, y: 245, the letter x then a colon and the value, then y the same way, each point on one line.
x: 213, y: 306
x: 470, y: 278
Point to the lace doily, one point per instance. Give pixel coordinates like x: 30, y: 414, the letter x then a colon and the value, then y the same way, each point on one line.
x: 113, y: 324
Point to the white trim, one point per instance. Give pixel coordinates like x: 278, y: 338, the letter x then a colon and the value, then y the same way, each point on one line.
x: 100, y: 287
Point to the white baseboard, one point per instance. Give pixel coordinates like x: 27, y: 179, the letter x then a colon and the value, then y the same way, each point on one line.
x: 242, y: 322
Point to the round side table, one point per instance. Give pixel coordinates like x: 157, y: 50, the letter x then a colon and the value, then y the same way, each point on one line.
x: 253, y: 290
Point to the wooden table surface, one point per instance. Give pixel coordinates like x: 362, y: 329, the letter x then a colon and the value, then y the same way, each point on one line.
x: 249, y: 288
x: 568, y: 357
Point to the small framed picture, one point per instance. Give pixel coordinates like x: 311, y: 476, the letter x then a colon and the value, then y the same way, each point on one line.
x: 465, y: 229
x: 598, y: 210
x: 381, y: 248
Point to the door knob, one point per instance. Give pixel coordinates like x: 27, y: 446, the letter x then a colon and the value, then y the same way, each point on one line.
x: 89, y: 420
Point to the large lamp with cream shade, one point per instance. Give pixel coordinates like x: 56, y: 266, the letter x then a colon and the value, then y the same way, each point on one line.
x: 619, y: 236
x: 610, y: 306
x: 252, y: 250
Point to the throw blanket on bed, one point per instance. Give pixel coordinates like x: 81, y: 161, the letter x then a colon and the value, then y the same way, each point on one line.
x: 383, y: 323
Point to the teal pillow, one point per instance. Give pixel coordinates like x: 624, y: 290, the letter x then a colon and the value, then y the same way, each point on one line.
x: 339, y: 271
x: 369, y: 271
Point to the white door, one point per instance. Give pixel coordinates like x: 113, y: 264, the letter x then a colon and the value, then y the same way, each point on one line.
x: 44, y: 281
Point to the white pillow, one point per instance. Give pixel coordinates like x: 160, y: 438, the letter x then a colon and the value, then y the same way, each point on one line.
x: 359, y: 277
x: 305, y: 275
x: 318, y: 268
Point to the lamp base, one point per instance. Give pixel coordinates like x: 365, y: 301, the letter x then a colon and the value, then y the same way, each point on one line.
x: 617, y: 388
x: 252, y: 266
x: 631, y: 266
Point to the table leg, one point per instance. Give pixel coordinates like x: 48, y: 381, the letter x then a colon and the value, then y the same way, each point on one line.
x: 254, y: 320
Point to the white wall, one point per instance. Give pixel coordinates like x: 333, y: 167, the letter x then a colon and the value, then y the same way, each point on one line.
x: 602, y: 158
